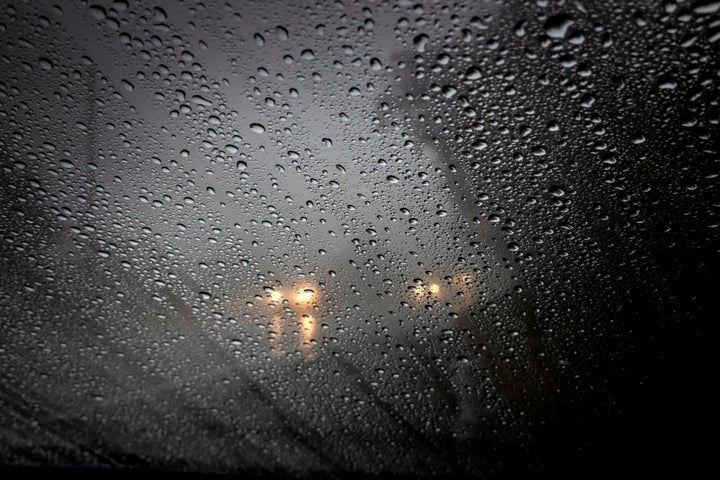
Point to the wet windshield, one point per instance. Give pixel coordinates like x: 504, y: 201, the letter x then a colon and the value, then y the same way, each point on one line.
x: 323, y: 238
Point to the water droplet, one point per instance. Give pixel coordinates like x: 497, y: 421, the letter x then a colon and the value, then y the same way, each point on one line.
x: 706, y: 6
x: 557, y: 191
x: 46, y: 64
x: 638, y: 139
x: 97, y: 12
x: 257, y: 127
x: 472, y: 73
x: 558, y: 25
x: 479, y: 145
x: 421, y: 42
x: 667, y: 82
x: 199, y: 100
x: 539, y: 151
x: 449, y: 91
x: 159, y: 15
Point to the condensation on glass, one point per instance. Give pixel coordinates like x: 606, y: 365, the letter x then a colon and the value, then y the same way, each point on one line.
x: 388, y: 237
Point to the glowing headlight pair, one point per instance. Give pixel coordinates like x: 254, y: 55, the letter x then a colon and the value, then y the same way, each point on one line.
x: 303, y: 296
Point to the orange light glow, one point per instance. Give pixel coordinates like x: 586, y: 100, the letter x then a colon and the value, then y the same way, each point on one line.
x: 305, y: 296
x: 277, y: 326
x: 308, y: 336
x: 434, y: 288
x: 275, y: 297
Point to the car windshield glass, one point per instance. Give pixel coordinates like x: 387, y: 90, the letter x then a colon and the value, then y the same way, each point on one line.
x: 408, y: 238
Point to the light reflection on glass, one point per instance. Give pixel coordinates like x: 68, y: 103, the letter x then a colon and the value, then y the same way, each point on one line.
x: 295, y: 311
x: 276, y: 339
x: 457, y: 292
x: 305, y: 296
x: 308, y: 337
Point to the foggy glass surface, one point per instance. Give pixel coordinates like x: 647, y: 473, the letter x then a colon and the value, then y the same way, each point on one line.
x: 423, y: 239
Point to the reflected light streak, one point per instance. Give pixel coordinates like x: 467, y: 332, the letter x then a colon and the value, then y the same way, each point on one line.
x: 308, y: 335
x: 297, y: 305
x: 275, y: 342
